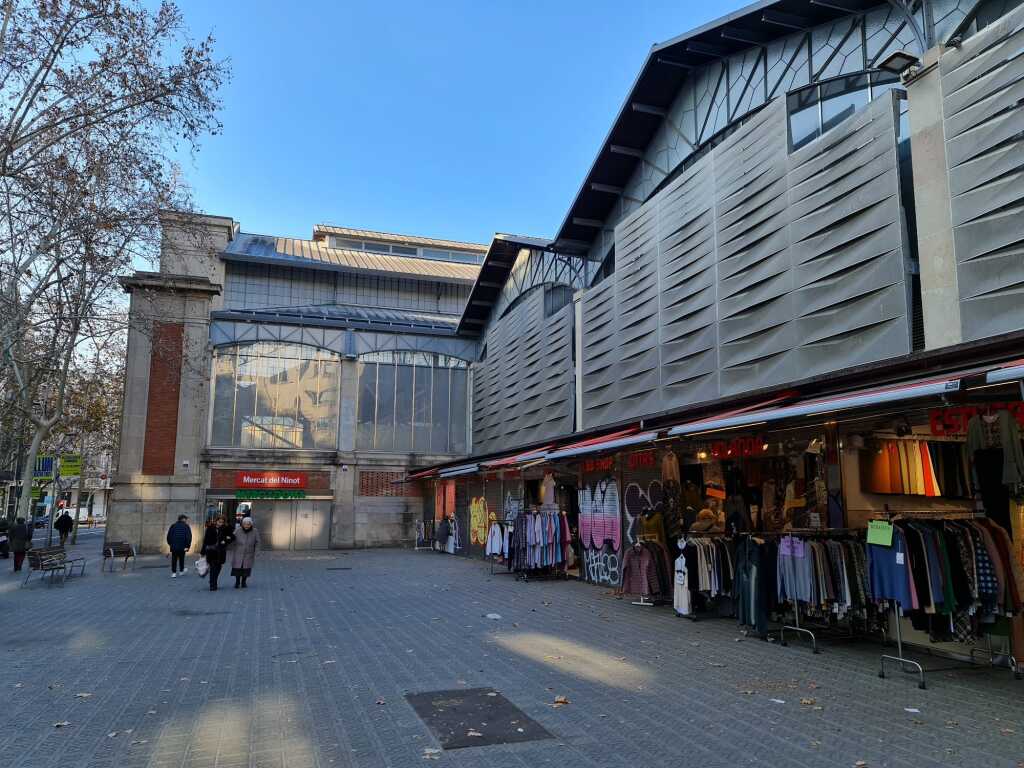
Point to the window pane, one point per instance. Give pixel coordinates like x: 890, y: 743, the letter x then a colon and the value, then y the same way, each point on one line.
x: 377, y: 247
x: 403, y: 409
x: 223, y: 398
x: 403, y: 250
x: 367, y: 405
x: 385, y: 437
x: 841, y: 98
x: 421, y: 408
x: 439, y: 429
x: 459, y: 409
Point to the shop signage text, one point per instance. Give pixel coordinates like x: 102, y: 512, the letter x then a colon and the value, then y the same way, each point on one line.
x: 270, y: 479
x: 740, y: 446
x: 271, y: 494
x: 641, y: 460
x: 953, y: 421
x: 603, y: 464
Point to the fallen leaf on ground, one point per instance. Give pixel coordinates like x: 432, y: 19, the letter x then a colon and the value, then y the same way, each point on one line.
x: 112, y: 734
x: 330, y: 661
x: 915, y: 721
x: 381, y: 701
x: 716, y: 664
x: 747, y: 693
x: 860, y: 764
x: 560, y: 701
x: 140, y: 741
x: 952, y: 724
x: 1007, y: 731
x: 61, y: 724
x: 431, y: 754
x: 82, y: 695
x: 553, y: 658
x: 18, y: 685
x: 912, y: 710
x: 778, y: 701
x: 473, y: 732
x: 807, y: 702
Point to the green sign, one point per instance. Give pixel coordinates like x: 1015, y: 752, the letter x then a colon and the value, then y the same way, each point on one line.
x: 37, y: 492
x: 270, y: 494
x: 71, y: 465
x: 880, y: 533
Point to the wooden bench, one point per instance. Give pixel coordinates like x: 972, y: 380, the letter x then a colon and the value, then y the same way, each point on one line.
x: 46, y: 560
x: 114, y: 550
x: 71, y: 562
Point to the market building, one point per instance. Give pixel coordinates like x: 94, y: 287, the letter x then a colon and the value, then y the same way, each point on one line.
x: 784, y: 308
x: 296, y: 379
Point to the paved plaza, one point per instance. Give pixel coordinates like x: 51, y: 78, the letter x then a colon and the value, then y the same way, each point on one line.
x: 309, y: 667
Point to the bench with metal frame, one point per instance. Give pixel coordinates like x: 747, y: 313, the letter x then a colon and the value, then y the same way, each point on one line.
x: 115, y: 550
x: 45, y: 560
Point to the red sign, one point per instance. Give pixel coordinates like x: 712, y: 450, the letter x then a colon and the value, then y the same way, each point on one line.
x: 604, y: 464
x: 740, y: 446
x: 643, y: 459
x: 953, y: 421
x: 269, y: 479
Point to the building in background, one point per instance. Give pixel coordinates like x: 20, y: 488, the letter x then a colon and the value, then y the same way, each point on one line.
x: 298, y: 378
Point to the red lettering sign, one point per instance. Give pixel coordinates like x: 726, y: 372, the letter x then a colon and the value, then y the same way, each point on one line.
x: 740, y: 446
x: 269, y: 479
x: 643, y: 459
x: 604, y: 464
x: 953, y: 421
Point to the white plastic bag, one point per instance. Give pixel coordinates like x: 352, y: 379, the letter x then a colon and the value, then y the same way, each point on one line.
x: 202, y: 568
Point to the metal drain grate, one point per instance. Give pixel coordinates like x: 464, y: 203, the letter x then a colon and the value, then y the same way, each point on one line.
x: 474, y: 717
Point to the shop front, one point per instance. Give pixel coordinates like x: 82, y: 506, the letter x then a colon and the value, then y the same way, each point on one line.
x: 893, y: 514
x: 291, y: 508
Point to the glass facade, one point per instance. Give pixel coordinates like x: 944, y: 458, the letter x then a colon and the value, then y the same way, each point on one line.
x: 281, y: 396
x: 817, y: 108
x: 412, y: 402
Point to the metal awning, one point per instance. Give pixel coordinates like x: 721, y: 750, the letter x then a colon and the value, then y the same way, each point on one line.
x: 516, y: 458
x: 1011, y: 372
x: 463, y: 469
x: 820, y: 406
x: 605, y: 443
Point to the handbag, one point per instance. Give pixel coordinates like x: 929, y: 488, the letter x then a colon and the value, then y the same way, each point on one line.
x: 202, y: 567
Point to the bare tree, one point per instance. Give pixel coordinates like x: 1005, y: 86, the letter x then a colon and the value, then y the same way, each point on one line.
x: 96, y: 97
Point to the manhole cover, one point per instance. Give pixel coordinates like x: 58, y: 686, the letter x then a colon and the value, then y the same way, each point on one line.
x: 474, y: 717
x: 339, y: 569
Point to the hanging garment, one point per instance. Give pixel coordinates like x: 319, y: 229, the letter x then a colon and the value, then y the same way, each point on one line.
x: 1013, y: 455
x: 494, y: 540
x: 638, y: 572
x: 794, y: 572
x: 887, y: 570
x: 681, y: 589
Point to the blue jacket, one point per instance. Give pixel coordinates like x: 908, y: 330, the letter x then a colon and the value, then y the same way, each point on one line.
x: 179, y: 536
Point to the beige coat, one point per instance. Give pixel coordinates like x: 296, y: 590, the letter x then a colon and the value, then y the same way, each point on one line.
x: 243, y: 548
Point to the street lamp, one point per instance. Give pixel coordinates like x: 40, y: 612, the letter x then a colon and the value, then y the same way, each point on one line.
x: 901, y: 63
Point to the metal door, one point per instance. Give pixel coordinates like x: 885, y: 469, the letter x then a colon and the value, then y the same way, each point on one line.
x: 312, y: 525
x: 274, y: 519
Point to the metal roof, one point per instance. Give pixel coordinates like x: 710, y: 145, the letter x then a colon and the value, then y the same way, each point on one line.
x: 391, y: 237
x: 494, y: 271
x: 286, y: 251
x: 666, y: 68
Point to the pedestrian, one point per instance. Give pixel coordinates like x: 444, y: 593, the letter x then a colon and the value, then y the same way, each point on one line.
x: 243, y: 551
x: 64, y: 524
x: 216, y: 539
x: 20, y: 536
x: 179, y: 539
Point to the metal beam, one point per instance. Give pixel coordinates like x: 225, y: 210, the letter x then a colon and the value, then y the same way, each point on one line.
x: 580, y: 244
x: 836, y: 5
x: 787, y: 20
x: 649, y: 109
x: 694, y: 46
x: 741, y: 36
x: 489, y: 284
x: 478, y: 303
x: 596, y: 223
x: 606, y: 188
x: 956, y: 36
x: 618, y: 149
x: 674, y: 63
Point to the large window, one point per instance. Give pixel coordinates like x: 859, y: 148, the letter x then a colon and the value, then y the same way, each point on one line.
x: 268, y: 395
x: 817, y: 108
x: 412, y: 402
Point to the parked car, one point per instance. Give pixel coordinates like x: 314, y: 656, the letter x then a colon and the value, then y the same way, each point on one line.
x: 41, y: 521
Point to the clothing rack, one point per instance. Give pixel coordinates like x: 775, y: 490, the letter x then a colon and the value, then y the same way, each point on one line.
x: 898, y: 658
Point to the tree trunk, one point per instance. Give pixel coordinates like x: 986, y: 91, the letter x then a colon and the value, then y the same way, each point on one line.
x: 25, y: 502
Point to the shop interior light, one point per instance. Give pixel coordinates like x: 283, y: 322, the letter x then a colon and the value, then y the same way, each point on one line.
x: 702, y: 455
x: 764, y: 447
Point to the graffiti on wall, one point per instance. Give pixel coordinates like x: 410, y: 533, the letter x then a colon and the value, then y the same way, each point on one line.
x: 638, y: 500
x: 512, y: 507
x: 601, y: 531
x: 478, y: 521
x: 602, y: 565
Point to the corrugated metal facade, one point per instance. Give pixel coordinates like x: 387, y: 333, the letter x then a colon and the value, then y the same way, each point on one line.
x: 754, y: 267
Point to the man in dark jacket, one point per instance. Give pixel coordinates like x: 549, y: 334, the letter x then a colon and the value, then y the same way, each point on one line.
x: 64, y: 524
x: 179, y: 539
x: 20, y: 536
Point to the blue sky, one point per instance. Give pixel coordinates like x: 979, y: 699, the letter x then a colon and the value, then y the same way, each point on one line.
x: 450, y: 119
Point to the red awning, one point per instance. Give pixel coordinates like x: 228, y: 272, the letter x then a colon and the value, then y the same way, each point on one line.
x: 516, y: 458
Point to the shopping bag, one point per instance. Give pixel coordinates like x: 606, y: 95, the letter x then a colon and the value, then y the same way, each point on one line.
x: 202, y: 568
